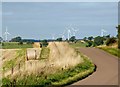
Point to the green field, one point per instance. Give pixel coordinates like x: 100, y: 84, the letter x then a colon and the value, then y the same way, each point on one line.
x: 113, y: 51
x: 78, y: 44
x: 15, y: 45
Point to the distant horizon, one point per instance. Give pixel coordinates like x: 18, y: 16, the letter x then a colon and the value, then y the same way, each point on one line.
x: 42, y: 20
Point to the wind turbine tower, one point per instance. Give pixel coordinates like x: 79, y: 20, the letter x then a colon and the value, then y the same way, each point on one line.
x: 69, y: 34
x: 6, y: 34
x: 102, y: 32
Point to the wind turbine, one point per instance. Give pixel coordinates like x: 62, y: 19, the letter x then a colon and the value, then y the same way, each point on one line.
x: 53, y: 36
x: 6, y: 34
x: 74, y: 31
x: 102, y: 32
x: 69, y: 33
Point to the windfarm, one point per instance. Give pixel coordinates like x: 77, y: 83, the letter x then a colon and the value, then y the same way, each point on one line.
x: 59, y: 44
x: 57, y: 61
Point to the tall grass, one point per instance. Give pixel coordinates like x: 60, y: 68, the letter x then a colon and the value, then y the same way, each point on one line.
x: 61, y: 77
x: 44, y: 53
x: 19, y: 57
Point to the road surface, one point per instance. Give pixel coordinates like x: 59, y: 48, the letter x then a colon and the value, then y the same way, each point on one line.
x: 107, y: 68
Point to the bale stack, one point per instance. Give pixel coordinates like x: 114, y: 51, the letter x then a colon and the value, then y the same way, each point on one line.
x: 62, y: 55
x: 54, y: 52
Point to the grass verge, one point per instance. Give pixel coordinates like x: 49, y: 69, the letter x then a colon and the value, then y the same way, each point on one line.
x: 113, y: 51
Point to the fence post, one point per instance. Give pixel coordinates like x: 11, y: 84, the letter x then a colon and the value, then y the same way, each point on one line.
x: 12, y: 70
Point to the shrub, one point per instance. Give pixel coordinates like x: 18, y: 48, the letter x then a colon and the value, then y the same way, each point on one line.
x: 98, y: 40
x: 59, y: 39
x: 110, y: 41
x: 72, y: 39
x: 89, y: 44
x: 20, y: 43
x: 44, y: 43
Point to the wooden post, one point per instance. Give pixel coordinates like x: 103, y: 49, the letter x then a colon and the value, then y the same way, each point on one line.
x: 12, y: 70
x: 26, y: 56
x: 35, y: 55
x: 19, y: 66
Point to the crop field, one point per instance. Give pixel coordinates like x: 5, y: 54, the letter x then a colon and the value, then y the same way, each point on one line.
x: 15, y: 45
x: 52, y: 65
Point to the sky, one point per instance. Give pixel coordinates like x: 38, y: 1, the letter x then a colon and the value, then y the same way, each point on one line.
x: 42, y: 20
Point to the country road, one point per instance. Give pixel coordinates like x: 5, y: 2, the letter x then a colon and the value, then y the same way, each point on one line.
x: 107, y: 68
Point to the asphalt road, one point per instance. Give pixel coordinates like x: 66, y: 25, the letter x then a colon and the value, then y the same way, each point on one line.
x: 107, y: 68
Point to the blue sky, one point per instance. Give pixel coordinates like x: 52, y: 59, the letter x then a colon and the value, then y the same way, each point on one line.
x: 39, y: 20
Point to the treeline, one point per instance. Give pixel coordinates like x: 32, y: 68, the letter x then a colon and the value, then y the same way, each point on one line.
x: 100, y: 40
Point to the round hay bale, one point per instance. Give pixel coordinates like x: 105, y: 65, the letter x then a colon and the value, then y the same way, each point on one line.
x: 36, y: 45
x: 31, y: 54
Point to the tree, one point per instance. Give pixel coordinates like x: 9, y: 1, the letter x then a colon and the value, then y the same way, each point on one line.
x: 1, y: 39
x: 90, y: 43
x: 98, y: 40
x: 72, y: 39
x: 118, y: 36
x: 106, y: 37
x: 85, y: 38
x: 90, y: 38
x: 110, y: 41
x: 59, y: 39
x: 16, y: 39
x: 45, y: 43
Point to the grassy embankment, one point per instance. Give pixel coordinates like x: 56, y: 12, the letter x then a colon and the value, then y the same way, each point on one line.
x: 19, y: 58
x: 113, y: 51
x: 15, y: 45
x: 61, y: 77
x: 64, y: 77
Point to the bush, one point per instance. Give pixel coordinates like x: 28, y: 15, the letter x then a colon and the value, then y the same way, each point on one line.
x: 90, y: 38
x: 59, y: 39
x: 44, y: 43
x: 90, y: 43
x: 20, y: 43
x: 110, y: 41
x: 98, y: 40
x: 72, y: 39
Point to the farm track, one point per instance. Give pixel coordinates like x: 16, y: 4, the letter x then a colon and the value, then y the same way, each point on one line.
x: 107, y: 68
